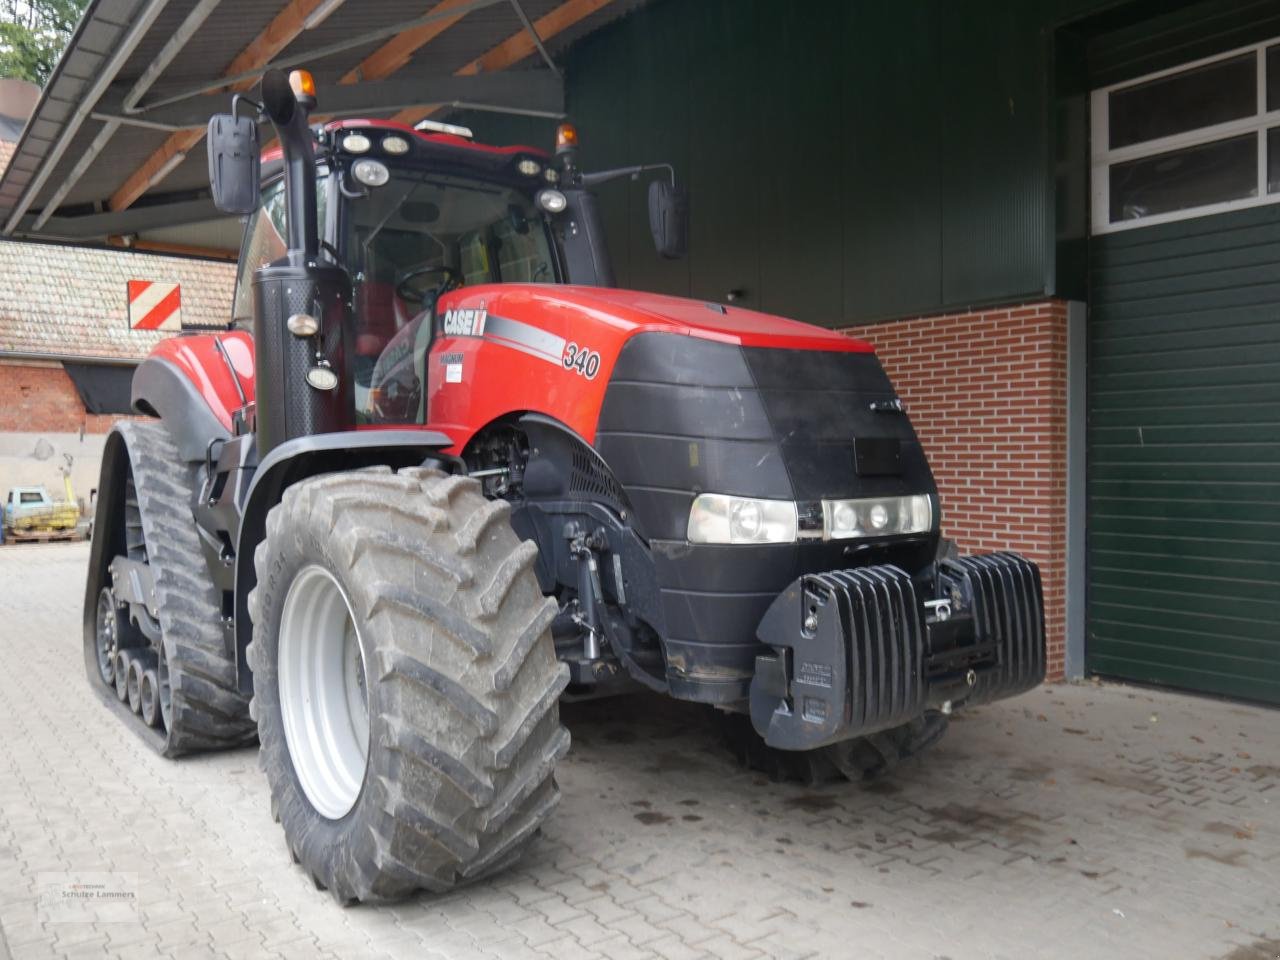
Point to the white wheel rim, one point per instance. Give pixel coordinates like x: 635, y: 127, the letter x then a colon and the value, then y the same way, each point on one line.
x: 323, y: 699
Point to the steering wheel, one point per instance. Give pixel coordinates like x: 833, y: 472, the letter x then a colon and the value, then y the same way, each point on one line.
x: 411, y: 294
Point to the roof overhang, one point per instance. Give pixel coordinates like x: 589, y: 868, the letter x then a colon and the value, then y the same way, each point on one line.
x: 113, y: 152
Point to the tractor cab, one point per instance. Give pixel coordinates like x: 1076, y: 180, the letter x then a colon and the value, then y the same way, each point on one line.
x: 410, y: 215
x: 383, y: 222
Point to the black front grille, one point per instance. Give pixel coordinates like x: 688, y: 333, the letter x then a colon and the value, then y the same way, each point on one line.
x: 823, y: 406
x: 590, y: 477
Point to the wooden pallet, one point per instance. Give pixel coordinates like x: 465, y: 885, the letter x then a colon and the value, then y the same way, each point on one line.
x: 39, y: 536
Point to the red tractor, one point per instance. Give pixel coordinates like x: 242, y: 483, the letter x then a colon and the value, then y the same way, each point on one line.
x: 450, y: 474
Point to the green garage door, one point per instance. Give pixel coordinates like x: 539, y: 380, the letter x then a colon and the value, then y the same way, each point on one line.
x: 1184, y: 455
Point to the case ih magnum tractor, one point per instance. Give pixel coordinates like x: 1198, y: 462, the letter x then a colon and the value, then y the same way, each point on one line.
x: 452, y: 473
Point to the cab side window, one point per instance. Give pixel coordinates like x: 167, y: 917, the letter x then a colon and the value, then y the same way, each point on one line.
x: 264, y: 243
x: 522, y: 258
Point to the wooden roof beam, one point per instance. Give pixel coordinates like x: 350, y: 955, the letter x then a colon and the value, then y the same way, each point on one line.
x: 180, y: 249
x: 522, y: 44
x: 279, y: 33
x: 515, y: 48
x: 399, y: 50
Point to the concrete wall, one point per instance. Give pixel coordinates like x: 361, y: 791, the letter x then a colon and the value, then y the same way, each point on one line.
x: 42, y: 422
x: 34, y: 459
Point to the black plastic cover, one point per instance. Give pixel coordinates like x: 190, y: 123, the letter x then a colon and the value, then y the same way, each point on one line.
x: 669, y: 219
x: 683, y: 416
x: 287, y: 405
x: 235, y: 163
x: 103, y: 388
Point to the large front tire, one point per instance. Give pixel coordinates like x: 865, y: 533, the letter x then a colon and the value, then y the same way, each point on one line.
x: 432, y: 632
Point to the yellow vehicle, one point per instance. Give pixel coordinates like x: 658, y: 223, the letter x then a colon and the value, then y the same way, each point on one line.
x: 31, y: 514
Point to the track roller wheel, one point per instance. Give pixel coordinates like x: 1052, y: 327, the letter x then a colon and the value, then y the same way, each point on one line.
x: 112, y: 633
x: 105, y: 636
x: 121, y: 670
x: 405, y: 682
x: 143, y: 660
x: 134, y: 685
x: 150, y: 698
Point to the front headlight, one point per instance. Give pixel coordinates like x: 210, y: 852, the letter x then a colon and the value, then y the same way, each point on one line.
x: 876, y: 517
x: 719, y: 518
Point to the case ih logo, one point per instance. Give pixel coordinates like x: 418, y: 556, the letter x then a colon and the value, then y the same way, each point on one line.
x: 465, y: 323
x: 154, y: 306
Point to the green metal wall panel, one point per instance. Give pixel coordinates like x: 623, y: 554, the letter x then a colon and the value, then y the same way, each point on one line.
x: 1169, y: 37
x: 846, y: 160
x: 891, y: 137
x: 726, y: 127
x: 800, y: 264
x: 994, y: 166
x: 850, y: 160
x: 1184, y: 455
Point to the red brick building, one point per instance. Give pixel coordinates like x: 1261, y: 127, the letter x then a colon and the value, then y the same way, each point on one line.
x: 987, y: 392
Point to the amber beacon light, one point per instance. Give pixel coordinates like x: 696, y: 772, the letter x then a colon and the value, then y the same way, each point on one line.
x: 303, y: 84
x: 566, y: 136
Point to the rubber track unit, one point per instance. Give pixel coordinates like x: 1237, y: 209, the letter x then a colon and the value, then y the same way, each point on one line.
x: 859, y: 759
x: 207, y: 710
x: 462, y: 680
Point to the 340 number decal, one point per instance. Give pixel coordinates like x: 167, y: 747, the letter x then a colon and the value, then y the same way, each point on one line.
x: 581, y: 360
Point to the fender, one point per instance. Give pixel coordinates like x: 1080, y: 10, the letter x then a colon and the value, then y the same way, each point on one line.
x: 195, y: 384
x: 161, y: 390
x: 305, y: 457
x: 108, y: 539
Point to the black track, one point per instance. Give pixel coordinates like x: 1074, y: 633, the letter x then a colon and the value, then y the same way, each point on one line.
x: 208, y: 711
x: 862, y: 758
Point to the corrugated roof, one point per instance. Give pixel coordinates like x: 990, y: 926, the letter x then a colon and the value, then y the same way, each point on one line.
x: 72, y: 301
x: 6, y: 151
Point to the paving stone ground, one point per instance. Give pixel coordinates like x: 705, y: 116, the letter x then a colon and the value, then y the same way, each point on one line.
x: 1076, y: 821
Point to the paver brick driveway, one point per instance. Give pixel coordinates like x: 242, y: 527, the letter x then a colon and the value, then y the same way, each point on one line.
x: 1076, y: 821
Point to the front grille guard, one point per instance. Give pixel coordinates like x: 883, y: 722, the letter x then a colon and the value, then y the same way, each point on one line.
x: 861, y: 650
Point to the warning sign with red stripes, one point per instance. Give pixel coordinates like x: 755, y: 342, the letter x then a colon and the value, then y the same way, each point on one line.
x: 154, y: 305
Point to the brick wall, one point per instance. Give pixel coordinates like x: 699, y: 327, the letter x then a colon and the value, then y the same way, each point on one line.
x: 987, y: 393
x: 40, y: 398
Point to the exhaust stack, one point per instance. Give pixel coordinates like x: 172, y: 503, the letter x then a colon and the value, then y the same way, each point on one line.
x: 301, y: 320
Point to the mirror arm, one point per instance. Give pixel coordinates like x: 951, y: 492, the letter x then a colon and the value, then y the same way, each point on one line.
x: 346, y: 191
x: 605, y: 176
x: 235, y: 105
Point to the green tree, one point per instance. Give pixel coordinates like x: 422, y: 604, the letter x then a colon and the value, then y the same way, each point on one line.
x: 33, y: 34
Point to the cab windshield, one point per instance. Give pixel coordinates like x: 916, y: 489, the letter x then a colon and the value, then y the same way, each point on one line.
x: 408, y: 242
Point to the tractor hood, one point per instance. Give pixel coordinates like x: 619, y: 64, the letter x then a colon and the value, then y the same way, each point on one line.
x: 631, y: 312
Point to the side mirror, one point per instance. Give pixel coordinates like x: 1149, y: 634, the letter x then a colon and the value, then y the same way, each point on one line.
x: 669, y: 219
x: 235, y: 163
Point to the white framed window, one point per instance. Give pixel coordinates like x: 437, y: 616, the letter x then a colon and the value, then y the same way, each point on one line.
x: 1196, y: 139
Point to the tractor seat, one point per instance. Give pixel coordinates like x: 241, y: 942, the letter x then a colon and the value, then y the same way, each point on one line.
x: 380, y: 314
